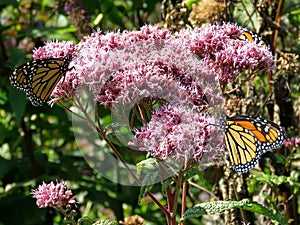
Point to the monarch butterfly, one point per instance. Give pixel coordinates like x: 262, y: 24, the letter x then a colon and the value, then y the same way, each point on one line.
x: 38, y: 78
x: 247, y: 138
x: 256, y: 38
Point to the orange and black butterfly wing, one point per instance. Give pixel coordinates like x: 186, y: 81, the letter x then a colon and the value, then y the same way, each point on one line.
x: 269, y: 134
x: 243, y: 147
x: 38, y: 78
x: 255, y: 38
x: 247, y: 138
x: 19, y: 77
x: 45, y: 79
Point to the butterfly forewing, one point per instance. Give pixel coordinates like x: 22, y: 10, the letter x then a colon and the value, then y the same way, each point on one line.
x: 38, y: 78
x: 19, y: 77
x: 269, y: 134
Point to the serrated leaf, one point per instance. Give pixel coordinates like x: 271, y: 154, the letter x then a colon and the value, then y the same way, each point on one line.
x: 166, y: 184
x: 146, y: 164
x: 106, y: 222
x: 209, y: 208
x: 143, y: 191
x: 148, y: 182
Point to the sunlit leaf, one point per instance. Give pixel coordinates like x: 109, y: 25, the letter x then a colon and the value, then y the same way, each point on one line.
x: 209, y: 208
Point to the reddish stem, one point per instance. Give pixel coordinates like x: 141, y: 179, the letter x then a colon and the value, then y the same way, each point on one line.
x: 102, y: 134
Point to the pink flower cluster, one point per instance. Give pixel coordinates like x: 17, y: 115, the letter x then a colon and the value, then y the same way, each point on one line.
x: 53, y: 195
x: 108, y: 63
x: 122, y: 68
x: 180, y: 133
x: 54, y: 49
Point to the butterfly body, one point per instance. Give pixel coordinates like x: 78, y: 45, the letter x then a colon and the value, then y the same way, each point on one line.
x: 247, y: 138
x: 38, y: 78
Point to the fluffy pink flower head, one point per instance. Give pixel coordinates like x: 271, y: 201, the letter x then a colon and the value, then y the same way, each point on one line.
x: 97, y: 59
x: 54, y: 49
x: 180, y: 133
x: 53, y: 195
x: 154, y: 80
x: 108, y: 63
x: 120, y: 66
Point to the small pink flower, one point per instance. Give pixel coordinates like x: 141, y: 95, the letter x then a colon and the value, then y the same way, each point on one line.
x: 54, y: 49
x: 53, y: 195
x: 292, y: 142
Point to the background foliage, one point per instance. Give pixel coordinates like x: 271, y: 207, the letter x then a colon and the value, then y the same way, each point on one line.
x: 37, y: 144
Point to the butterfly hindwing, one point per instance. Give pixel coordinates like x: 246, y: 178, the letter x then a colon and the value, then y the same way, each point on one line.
x: 247, y: 138
x: 255, y: 38
x: 242, y: 147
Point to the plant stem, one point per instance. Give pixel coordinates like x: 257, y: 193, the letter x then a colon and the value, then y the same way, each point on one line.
x: 67, y: 217
x: 183, y: 199
x: 99, y: 130
x: 176, y: 194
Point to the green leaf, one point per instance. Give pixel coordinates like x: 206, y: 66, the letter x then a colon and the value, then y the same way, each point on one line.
x: 143, y: 191
x: 113, y: 138
x: 150, y: 178
x: 149, y: 163
x: 3, y: 132
x: 3, y: 98
x: 189, y: 3
x: 85, y: 221
x: 167, y: 183
x: 16, y: 58
x: 209, y: 208
x: 106, y: 222
x: 270, y: 179
x: 295, y: 12
x: 191, y: 173
x: 150, y: 173
x: 18, y: 103
x: 280, y: 158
